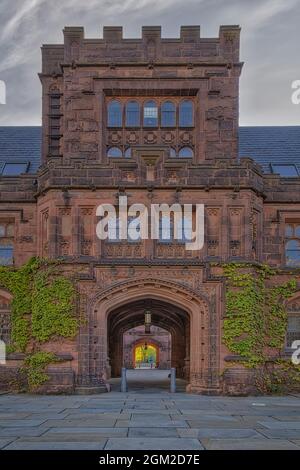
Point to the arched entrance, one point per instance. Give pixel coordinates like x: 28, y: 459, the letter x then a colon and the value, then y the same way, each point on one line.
x: 163, y: 314
x: 175, y: 307
x: 145, y: 355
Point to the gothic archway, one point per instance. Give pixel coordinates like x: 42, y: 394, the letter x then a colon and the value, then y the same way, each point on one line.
x: 94, y: 352
x: 165, y: 315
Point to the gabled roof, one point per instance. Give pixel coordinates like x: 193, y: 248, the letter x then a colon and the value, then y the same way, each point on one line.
x: 266, y: 145
x: 21, y: 144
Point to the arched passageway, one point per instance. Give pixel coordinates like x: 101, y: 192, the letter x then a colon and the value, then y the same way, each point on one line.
x: 186, y: 314
x: 164, y: 315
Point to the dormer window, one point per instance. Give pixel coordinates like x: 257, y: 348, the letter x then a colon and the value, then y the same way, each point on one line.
x: 15, y: 168
x: 286, y: 171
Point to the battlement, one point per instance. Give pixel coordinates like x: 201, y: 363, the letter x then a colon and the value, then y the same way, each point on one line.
x: 189, y: 47
x: 188, y: 33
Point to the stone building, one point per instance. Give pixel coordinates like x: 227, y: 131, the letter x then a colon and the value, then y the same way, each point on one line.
x: 156, y: 120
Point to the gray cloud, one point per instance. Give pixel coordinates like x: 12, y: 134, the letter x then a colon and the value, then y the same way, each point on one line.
x: 269, y: 43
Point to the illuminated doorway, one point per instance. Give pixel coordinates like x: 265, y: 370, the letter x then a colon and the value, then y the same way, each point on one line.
x: 145, y: 356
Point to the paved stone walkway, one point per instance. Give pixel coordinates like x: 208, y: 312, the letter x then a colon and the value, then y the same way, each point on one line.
x: 149, y: 420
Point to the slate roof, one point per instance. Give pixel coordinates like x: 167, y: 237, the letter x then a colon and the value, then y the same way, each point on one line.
x: 277, y: 145
x: 266, y: 145
x: 21, y: 144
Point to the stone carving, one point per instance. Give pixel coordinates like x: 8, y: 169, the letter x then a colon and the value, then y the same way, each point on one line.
x: 186, y: 137
x: 86, y: 246
x: 150, y: 137
x: 122, y: 250
x: 62, y: 211
x: 168, y: 137
x: 114, y: 137
x: 64, y: 246
x: 132, y: 138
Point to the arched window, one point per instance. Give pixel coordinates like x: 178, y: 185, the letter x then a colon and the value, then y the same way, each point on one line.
x: 172, y: 152
x: 185, y: 152
x: 168, y: 114
x: 128, y: 152
x: 150, y: 114
x: 132, y: 114
x: 114, y: 114
x: 186, y: 118
x: 114, y: 152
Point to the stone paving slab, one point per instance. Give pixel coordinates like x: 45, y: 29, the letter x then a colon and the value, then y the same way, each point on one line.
x: 46, y: 416
x: 154, y: 432
x: 12, y: 415
x: 248, y: 444
x: 19, y: 432
x: 87, y: 423
x: 220, y: 433
x: 97, y: 415
x: 153, y: 443
x: 14, y: 423
x: 72, y: 437
x: 281, y: 433
x: 150, y: 412
x: 218, y: 424
x: 151, y: 423
x: 296, y: 441
x: 23, y: 445
x: 280, y: 424
x: 107, y: 432
x: 5, y: 442
x: 290, y: 417
x: 208, y: 418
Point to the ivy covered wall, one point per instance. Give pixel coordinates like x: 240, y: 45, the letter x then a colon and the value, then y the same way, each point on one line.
x: 255, y: 323
x: 43, y: 309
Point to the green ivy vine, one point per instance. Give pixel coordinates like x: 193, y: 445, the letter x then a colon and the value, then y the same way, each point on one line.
x: 34, y: 367
x: 43, y: 309
x: 255, y: 322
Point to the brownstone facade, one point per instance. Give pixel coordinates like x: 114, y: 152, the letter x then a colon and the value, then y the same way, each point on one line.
x: 54, y: 212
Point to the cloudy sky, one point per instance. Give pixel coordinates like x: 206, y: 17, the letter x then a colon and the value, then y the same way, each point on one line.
x: 269, y: 46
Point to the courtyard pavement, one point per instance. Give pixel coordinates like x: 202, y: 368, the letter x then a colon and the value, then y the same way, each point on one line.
x: 148, y: 417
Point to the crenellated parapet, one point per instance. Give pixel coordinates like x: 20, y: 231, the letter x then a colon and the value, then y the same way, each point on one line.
x: 112, y: 48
